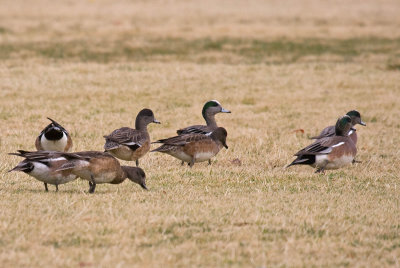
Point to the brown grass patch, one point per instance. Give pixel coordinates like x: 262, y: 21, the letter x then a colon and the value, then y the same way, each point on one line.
x: 243, y: 210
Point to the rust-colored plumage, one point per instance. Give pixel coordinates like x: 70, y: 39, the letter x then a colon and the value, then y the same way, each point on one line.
x: 101, y: 167
x: 194, y: 148
x: 329, y: 152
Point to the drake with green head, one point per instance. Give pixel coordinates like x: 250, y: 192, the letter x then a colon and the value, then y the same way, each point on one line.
x: 210, y: 109
x: 355, y: 119
x: 330, y: 152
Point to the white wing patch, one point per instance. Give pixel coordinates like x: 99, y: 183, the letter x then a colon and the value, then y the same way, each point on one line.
x: 350, y: 132
x: 53, y: 159
x: 132, y: 143
x: 337, y: 145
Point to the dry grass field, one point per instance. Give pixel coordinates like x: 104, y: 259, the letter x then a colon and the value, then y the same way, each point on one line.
x: 278, y: 66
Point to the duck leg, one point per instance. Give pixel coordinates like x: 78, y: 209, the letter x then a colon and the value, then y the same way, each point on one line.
x: 56, y: 187
x: 92, y: 185
x: 320, y: 170
x: 191, y: 163
x: 183, y: 162
x: 45, y: 187
x: 137, y: 162
x: 209, y: 161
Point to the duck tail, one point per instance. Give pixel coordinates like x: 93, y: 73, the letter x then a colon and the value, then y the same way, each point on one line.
x: 292, y: 164
x: 24, y: 167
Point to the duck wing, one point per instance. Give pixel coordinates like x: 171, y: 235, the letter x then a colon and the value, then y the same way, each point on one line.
x: 196, y: 129
x: 326, y: 132
x: 125, y: 136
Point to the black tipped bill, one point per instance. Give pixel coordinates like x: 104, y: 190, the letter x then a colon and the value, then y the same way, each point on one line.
x: 144, y: 186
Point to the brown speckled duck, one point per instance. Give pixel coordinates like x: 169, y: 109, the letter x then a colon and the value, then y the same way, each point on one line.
x: 131, y: 144
x: 193, y: 148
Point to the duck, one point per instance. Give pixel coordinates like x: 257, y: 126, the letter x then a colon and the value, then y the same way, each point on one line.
x: 101, y: 167
x: 131, y: 144
x: 330, y: 130
x: 193, y: 148
x: 330, y: 152
x: 54, y: 137
x: 210, y: 109
x: 43, y: 165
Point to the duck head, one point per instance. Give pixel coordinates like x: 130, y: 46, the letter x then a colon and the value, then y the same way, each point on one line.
x: 213, y: 107
x: 343, y: 126
x: 220, y: 135
x: 355, y: 118
x: 136, y: 175
x: 145, y: 117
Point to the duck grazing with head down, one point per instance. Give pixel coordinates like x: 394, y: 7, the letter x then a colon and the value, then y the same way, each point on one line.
x: 54, y: 138
x: 43, y: 166
x: 194, y: 148
x: 331, y: 152
x: 131, y: 144
x: 101, y: 167
x: 210, y: 109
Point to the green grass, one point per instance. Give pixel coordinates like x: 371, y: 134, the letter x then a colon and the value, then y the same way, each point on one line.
x: 197, y: 50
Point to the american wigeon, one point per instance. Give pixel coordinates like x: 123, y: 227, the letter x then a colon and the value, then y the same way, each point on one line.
x: 329, y: 152
x: 210, y: 109
x: 194, y: 148
x: 43, y: 165
x: 330, y: 130
x: 131, y: 144
x: 101, y: 167
x: 54, y: 138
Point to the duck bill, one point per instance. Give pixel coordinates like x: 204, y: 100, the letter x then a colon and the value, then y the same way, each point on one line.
x: 144, y: 186
x: 156, y: 121
x: 225, y: 111
x: 363, y: 123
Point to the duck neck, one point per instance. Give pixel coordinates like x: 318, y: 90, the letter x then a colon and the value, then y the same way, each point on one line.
x: 210, y: 120
x: 120, y: 177
x: 342, y: 131
x: 140, y: 124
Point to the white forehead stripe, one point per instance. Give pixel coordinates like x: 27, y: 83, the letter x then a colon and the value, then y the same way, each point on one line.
x: 337, y: 145
x: 216, y: 102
